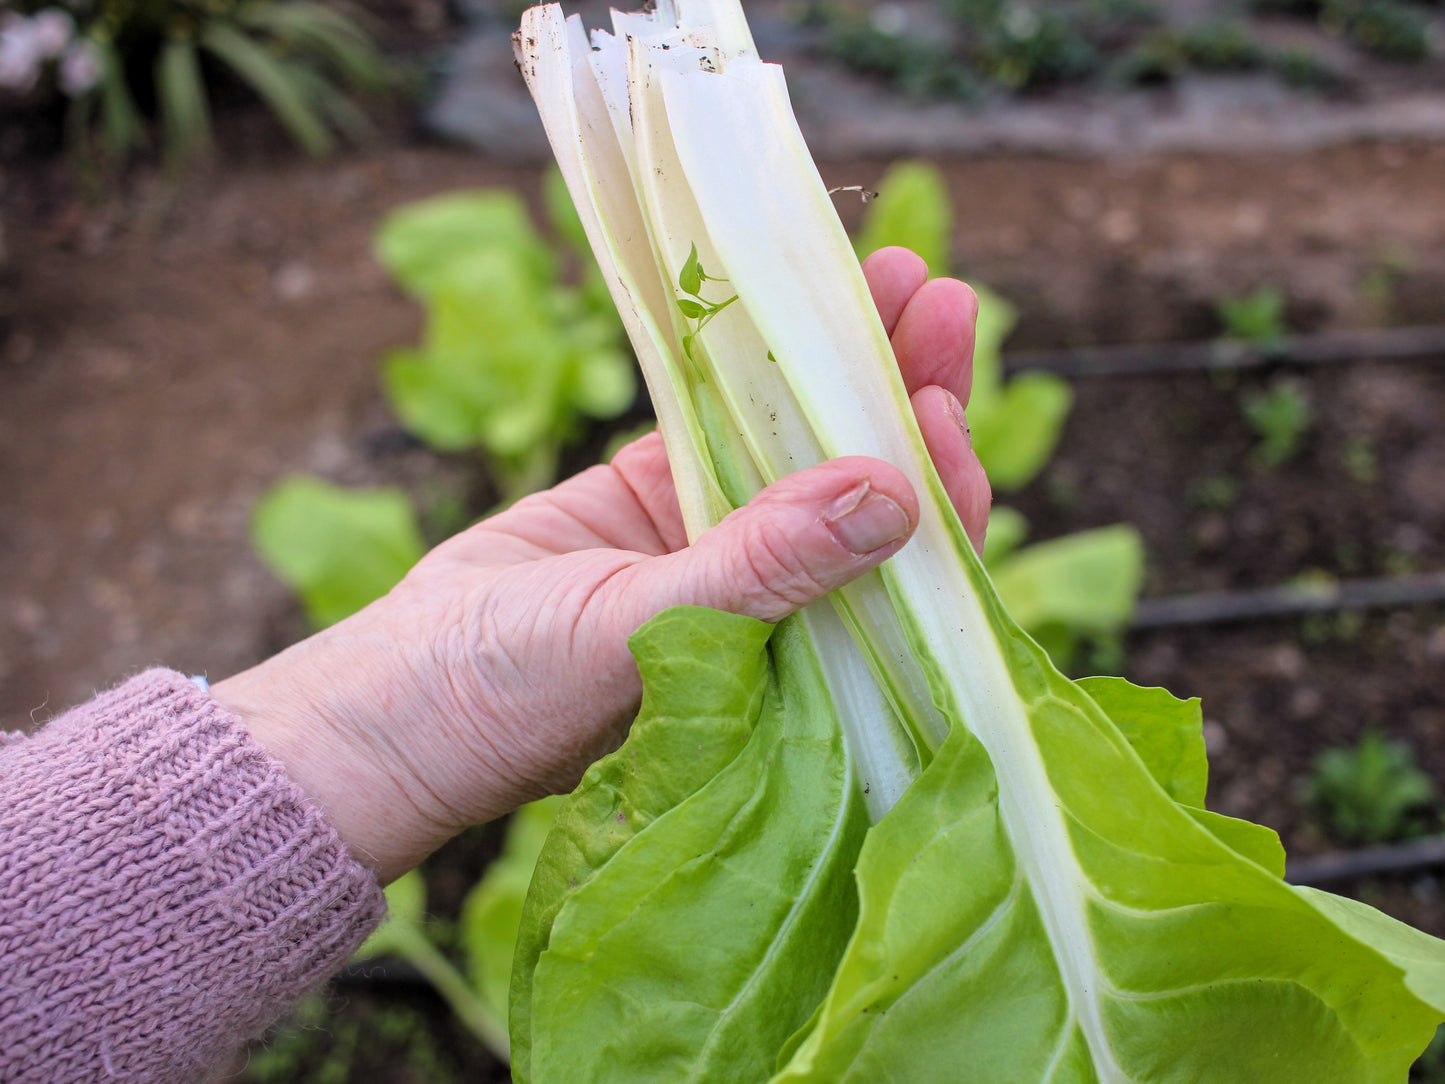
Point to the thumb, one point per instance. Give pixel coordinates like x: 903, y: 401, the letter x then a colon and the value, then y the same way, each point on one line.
x: 795, y: 541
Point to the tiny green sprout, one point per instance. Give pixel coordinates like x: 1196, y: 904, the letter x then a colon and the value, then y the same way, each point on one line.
x: 771, y: 358
x: 690, y: 279
x: 692, y: 275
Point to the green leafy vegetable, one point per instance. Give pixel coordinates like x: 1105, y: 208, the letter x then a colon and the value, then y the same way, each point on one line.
x: 718, y: 843
x: 511, y: 360
x: 337, y: 548
x: 1039, y: 898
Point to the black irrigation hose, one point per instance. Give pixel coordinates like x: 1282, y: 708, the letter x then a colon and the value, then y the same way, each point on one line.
x: 1413, y: 857
x: 1290, y: 600
x: 1388, y: 344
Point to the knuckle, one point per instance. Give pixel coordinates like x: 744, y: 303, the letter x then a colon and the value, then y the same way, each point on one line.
x: 779, y: 580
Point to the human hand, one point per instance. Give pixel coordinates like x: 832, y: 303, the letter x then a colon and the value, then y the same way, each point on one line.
x: 498, y: 669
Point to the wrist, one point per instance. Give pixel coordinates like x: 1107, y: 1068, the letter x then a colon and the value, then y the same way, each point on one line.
x: 290, y: 706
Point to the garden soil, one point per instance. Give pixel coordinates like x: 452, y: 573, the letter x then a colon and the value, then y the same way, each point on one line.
x: 166, y: 355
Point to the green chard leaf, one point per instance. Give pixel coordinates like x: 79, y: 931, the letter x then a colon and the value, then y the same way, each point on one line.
x: 1183, y: 971
x: 696, y: 891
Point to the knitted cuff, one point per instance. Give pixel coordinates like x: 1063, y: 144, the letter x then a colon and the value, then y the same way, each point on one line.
x: 165, y: 890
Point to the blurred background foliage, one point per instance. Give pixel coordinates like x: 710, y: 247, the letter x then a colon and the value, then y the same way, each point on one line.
x: 141, y: 73
x: 968, y: 49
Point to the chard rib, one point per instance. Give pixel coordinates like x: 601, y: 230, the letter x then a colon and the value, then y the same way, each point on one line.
x: 834, y: 353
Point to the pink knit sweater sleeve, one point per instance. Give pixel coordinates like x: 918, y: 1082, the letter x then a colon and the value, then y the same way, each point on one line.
x: 165, y: 891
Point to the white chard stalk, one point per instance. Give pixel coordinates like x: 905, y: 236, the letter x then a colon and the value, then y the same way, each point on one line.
x: 1042, y: 896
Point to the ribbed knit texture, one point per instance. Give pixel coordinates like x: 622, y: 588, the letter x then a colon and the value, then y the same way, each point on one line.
x: 165, y: 890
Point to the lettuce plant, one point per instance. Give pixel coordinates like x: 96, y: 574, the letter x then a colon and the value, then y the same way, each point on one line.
x: 513, y: 362
x: 887, y: 839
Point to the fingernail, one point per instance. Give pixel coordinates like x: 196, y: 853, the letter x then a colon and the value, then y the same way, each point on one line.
x: 955, y: 408
x: 863, y: 521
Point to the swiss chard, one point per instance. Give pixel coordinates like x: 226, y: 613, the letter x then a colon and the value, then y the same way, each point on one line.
x: 1040, y: 896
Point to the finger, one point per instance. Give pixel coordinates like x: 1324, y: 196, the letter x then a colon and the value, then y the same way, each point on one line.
x: 642, y: 465
x: 945, y: 433
x: 894, y: 275
x: 933, y: 339
x: 602, y: 507
x: 798, y: 539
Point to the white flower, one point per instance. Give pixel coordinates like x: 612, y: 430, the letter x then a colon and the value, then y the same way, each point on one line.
x: 53, y: 30
x: 20, y: 53
x: 80, y: 68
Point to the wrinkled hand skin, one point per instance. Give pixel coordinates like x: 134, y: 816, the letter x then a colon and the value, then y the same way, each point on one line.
x: 499, y: 669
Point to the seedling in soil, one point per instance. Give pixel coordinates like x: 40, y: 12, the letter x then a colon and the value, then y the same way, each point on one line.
x: 1257, y: 319
x: 1361, y: 461
x: 1215, y: 493
x: 1372, y: 792
x: 1280, y: 417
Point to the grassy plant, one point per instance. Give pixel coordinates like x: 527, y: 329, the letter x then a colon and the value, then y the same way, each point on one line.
x: 1371, y: 792
x: 1280, y: 417
x: 157, y: 58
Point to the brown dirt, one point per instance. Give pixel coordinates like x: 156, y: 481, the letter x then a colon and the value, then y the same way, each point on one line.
x: 163, y: 361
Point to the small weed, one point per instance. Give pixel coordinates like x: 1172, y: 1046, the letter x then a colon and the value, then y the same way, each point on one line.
x: 1361, y: 461
x: 1280, y: 417
x: 1372, y: 792
x: 1214, y: 493
x: 1380, y: 282
x: 1257, y: 318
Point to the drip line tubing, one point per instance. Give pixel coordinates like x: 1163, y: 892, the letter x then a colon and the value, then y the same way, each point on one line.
x: 1289, y: 600
x: 1144, y: 359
